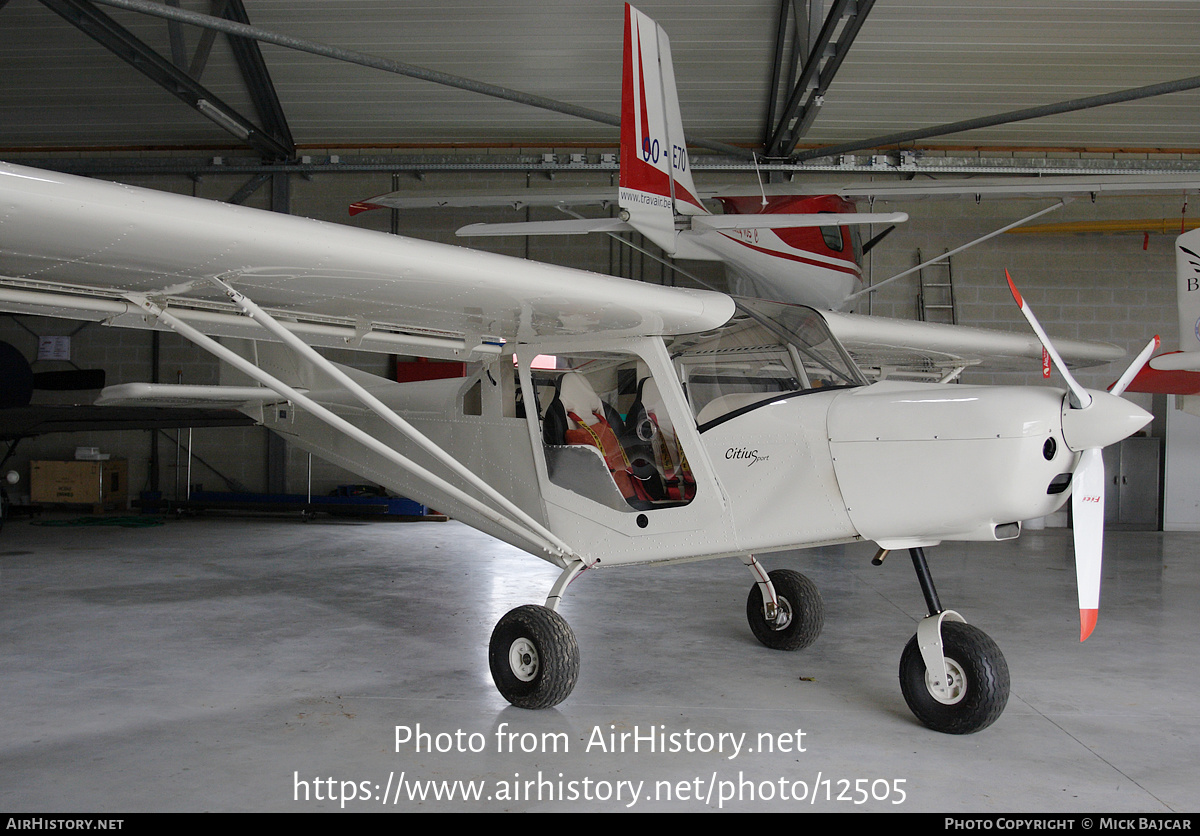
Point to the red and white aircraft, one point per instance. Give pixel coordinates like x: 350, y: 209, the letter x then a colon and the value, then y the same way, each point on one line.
x: 777, y: 244
x: 789, y: 248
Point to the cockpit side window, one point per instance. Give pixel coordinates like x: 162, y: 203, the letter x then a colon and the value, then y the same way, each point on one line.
x: 766, y: 352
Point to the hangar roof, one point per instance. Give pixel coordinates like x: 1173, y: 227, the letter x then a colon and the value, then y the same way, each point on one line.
x: 914, y: 63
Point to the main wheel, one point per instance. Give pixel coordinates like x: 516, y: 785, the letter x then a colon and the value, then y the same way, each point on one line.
x: 801, y: 612
x: 533, y: 657
x: 977, y: 690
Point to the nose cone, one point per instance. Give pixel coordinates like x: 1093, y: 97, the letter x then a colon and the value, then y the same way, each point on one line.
x: 1107, y: 420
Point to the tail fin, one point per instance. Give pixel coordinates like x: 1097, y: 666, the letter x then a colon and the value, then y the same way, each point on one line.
x: 656, y: 179
x: 1187, y: 277
x: 1178, y: 372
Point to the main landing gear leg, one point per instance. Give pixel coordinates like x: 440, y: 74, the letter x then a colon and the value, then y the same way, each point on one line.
x: 533, y: 654
x: 953, y: 676
x: 784, y: 609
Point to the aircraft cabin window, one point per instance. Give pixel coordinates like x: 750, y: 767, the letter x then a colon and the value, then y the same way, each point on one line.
x: 833, y: 237
x: 768, y: 351
x: 608, y: 436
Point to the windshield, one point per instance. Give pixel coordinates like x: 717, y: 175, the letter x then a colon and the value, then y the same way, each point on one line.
x: 767, y: 351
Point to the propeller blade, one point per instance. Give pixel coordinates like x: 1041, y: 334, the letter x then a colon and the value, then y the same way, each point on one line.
x: 867, y: 247
x: 1090, y: 425
x: 1136, y: 366
x: 1082, y: 396
x: 1087, y: 508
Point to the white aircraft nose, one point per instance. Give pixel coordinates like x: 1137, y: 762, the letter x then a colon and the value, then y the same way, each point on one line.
x: 1107, y: 420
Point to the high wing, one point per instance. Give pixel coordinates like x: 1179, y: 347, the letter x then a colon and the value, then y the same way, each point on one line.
x: 83, y: 249
x: 1014, y: 186
x: 78, y: 248
x: 896, y: 348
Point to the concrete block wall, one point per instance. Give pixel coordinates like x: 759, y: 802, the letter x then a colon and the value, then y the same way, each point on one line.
x: 1116, y: 288
x: 1092, y: 287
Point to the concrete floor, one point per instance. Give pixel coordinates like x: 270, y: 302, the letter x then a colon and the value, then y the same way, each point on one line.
x: 234, y: 664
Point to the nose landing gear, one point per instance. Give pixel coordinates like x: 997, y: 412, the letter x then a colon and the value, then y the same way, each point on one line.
x: 953, y: 676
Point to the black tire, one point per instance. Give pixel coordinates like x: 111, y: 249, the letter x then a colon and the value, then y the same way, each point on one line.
x: 534, y: 657
x: 979, y: 680
x: 802, y: 612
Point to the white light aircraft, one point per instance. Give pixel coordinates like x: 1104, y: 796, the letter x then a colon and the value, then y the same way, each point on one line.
x: 677, y: 425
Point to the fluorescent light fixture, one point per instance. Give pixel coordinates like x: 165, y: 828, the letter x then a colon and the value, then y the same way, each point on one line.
x: 222, y: 118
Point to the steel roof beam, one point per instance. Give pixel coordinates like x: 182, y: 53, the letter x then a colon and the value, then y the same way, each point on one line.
x: 129, y: 48
x: 825, y: 57
x: 175, y: 34
x: 906, y: 165
x: 258, y: 79
x: 205, y: 44
x: 777, y: 68
x: 397, y: 67
x: 1117, y: 97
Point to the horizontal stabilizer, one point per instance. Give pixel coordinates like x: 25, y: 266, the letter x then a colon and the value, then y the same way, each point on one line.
x: 1177, y: 361
x: 580, y: 226
x: 1174, y: 373
x: 182, y: 394
x: 69, y: 380
x: 30, y: 421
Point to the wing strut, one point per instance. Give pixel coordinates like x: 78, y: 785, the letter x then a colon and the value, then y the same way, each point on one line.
x: 530, y: 531
x: 414, y: 435
x: 956, y: 251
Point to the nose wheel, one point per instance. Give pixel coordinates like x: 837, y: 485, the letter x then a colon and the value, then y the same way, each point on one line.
x: 974, y: 691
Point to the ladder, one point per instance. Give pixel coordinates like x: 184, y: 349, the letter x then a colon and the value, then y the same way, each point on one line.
x: 935, y: 296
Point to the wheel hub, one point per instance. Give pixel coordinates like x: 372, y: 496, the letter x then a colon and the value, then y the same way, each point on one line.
x: 523, y: 659
x: 783, y: 615
x: 953, y: 689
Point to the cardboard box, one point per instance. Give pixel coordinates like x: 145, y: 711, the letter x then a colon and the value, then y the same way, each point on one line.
x: 98, y: 483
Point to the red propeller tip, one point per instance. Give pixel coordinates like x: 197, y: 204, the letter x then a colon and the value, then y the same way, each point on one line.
x: 1016, y: 293
x: 1087, y: 623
